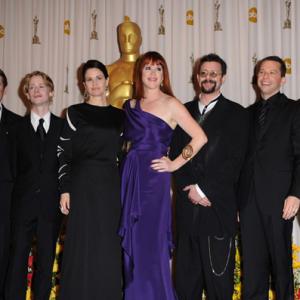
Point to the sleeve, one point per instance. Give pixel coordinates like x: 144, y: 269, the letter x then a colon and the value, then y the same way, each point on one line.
x: 199, y: 191
x: 64, y: 151
x: 121, y: 153
x: 295, y: 185
x: 12, y: 140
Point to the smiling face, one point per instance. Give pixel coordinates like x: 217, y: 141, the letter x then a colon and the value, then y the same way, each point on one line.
x: 39, y: 93
x: 152, y: 76
x: 95, y: 83
x: 210, y: 77
x: 269, y: 79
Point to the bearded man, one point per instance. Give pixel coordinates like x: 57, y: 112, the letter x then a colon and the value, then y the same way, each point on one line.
x: 205, y: 188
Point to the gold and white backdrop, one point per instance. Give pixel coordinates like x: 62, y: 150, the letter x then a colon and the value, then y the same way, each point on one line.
x: 55, y: 36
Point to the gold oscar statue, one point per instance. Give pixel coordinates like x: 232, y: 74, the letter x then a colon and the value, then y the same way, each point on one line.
x: 121, y: 71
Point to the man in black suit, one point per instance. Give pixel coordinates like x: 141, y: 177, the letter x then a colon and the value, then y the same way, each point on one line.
x: 270, y: 186
x: 35, y: 202
x: 7, y: 121
x: 205, y: 189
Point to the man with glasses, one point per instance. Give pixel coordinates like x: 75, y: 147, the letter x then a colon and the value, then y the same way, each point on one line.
x: 270, y: 186
x: 205, y: 188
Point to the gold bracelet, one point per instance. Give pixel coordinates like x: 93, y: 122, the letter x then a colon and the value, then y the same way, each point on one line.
x: 187, y: 152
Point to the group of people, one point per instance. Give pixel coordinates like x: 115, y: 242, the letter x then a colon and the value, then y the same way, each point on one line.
x: 110, y: 171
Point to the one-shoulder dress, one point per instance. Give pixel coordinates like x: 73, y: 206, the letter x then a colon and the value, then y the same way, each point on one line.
x: 146, y: 216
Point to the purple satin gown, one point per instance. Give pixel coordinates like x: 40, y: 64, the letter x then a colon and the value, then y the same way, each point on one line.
x: 146, y: 219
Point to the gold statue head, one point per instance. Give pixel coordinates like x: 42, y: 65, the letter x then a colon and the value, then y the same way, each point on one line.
x: 129, y: 37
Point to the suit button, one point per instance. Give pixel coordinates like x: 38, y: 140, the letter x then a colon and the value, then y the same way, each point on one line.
x: 38, y: 191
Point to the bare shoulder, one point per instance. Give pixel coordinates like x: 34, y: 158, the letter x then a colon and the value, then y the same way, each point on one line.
x: 175, y: 104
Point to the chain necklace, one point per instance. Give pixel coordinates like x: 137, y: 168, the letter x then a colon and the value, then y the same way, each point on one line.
x: 210, y: 256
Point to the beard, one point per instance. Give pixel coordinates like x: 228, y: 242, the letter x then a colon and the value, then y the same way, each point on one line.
x: 210, y: 90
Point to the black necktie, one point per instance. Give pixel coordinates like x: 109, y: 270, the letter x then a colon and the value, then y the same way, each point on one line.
x: 202, y: 115
x: 262, y: 114
x: 41, y: 130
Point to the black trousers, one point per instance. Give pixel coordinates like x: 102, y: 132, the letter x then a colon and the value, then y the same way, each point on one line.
x: 204, y: 263
x: 46, y: 234
x: 5, y: 200
x: 266, y: 250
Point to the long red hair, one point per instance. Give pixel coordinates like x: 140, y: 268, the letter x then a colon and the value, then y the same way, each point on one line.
x: 152, y: 58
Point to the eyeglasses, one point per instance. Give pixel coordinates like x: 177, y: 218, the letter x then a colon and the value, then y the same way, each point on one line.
x: 212, y: 74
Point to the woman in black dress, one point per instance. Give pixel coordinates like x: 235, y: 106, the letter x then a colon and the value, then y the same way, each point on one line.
x: 89, y: 182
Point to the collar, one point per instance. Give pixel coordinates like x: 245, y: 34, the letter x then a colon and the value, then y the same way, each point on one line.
x: 209, y: 106
x: 34, y: 118
x: 273, y: 99
x: 1, y: 109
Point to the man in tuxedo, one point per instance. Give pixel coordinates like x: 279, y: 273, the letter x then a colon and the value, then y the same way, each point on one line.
x: 270, y: 186
x: 35, y: 202
x: 205, y: 188
x: 7, y: 121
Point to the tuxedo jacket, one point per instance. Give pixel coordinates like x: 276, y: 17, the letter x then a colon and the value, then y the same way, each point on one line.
x: 272, y: 168
x: 215, y: 168
x: 7, y: 124
x: 35, y: 191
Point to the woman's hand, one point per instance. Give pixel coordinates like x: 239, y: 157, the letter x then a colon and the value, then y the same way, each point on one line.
x: 65, y: 203
x: 163, y: 164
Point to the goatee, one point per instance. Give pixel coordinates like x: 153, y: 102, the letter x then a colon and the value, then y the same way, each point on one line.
x: 210, y: 90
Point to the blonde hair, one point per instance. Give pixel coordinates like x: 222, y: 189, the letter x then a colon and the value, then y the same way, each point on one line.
x: 48, y: 81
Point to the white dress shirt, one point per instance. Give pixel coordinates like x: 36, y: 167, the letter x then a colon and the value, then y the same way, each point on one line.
x: 34, y: 118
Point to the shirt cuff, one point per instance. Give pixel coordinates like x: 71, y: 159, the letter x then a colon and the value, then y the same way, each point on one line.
x: 200, y: 192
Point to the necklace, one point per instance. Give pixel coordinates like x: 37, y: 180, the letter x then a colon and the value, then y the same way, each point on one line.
x: 210, y: 256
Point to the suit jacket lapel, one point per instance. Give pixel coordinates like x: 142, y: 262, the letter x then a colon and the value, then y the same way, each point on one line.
x: 52, y: 133
x: 217, y: 117
x: 30, y: 137
x: 195, y: 110
x: 3, y: 121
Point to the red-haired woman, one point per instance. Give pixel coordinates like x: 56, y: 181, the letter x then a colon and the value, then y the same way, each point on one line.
x: 146, y: 219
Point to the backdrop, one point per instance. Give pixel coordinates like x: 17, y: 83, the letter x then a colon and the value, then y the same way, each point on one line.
x: 241, y: 31
x: 55, y: 36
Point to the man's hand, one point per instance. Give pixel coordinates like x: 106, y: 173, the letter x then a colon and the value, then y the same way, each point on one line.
x: 291, y: 207
x: 194, y: 196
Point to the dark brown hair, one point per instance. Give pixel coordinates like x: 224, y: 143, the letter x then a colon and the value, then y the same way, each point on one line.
x: 91, y: 64
x: 268, y: 58
x: 3, y: 77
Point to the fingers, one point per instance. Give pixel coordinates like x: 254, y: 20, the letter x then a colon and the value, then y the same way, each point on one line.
x: 290, y: 208
x: 187, y: 188
x: 205, y: 202
x: 289, y: 212
x: 200, y: 201
x: 160, y: 164
x: 65, y: 205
